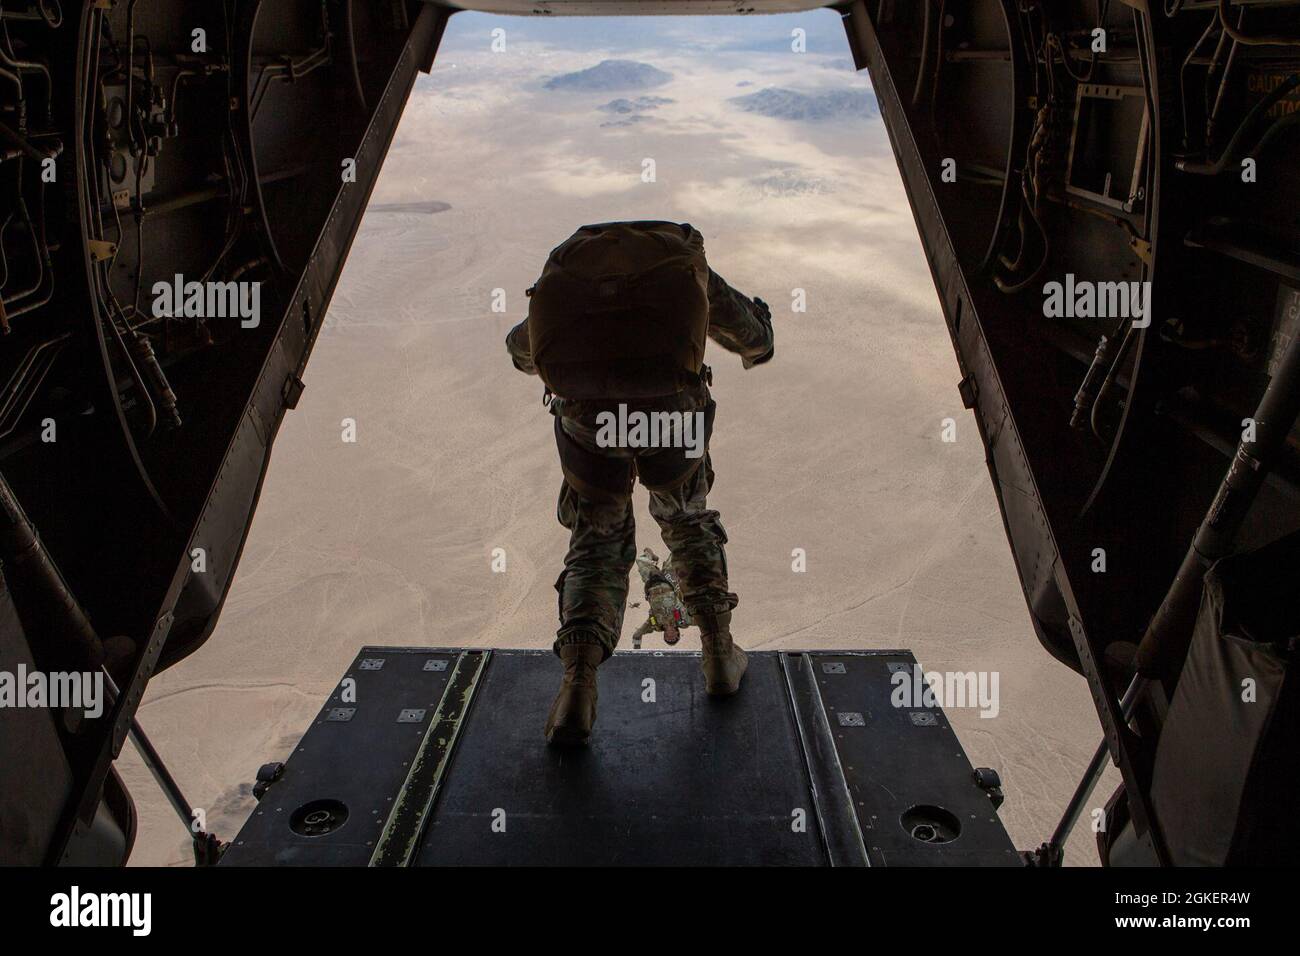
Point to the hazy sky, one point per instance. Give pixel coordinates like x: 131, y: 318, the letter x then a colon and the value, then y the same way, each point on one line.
x: 823, y: 29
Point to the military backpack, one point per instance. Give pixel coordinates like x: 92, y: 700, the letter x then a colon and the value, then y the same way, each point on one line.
x: 621, y: 311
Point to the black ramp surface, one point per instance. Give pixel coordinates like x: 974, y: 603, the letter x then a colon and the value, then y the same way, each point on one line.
x: 908, y: 777
x: 680, y: 779
x: 356, y: 755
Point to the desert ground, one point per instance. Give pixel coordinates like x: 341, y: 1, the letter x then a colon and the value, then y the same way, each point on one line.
x: 834, y: 447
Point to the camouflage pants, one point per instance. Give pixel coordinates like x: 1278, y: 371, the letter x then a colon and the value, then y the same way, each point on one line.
x: 602, y: 549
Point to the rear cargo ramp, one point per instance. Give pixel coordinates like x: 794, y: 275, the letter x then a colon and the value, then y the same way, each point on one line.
x: 435, y: 757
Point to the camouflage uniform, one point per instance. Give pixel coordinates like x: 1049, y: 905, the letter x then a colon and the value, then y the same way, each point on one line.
x: 602, y: 542
x: 662, y: 595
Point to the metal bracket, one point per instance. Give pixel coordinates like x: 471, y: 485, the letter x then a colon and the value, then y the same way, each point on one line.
x: 292, y: 391
x: 1141, y: 248
x: 101, y: 249
x: 968, y: 389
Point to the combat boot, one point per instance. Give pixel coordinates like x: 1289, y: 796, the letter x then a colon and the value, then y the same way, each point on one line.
x: 724, y: 663
x: 574, y: 711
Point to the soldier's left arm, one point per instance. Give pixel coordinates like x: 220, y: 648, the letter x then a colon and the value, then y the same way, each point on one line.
x: 739, y: 324
x: 520, y: 348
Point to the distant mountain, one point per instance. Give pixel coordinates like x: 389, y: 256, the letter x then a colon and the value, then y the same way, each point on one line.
x: 625, y: 121
x: 638, y: 105
x: 789, y: 181
x: 427, y: 207
x: 611, y: 75
x: 793, y: 105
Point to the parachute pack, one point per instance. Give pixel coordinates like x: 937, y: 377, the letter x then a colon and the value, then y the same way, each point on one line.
x: 621, y: 311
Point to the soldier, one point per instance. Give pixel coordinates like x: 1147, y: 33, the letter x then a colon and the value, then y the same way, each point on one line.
x: 603, y: 282
x: 667, y: 612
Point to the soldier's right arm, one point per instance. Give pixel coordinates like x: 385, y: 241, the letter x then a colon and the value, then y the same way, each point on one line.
x: 520, y: 348
x: 739, y: 324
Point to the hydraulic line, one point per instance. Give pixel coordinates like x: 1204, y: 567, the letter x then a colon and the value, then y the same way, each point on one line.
x: 27, y: 66
x: 26, y: 380
x: 141, y: 388
x: 1212, y: 69
x: 107, y: 310
x: 1053, y: 40
x: 1213, y: 116
x: 938, y: 67
x: 1109, y: 381
x: 1085, y: 399
x: 1030, y: 194
x: 1232, y: 151
x: 925, y: 53
x: 1182, y: 74
x: 1249, y: 39
x: 23, y: 144
x: 38, y: 295
x: 1148, y: 78
x: 349, y: 28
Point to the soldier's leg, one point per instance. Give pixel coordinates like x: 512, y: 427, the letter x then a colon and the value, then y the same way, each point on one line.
x: 593, y: 585
x: 593, y: 591
x: 696, y: 537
